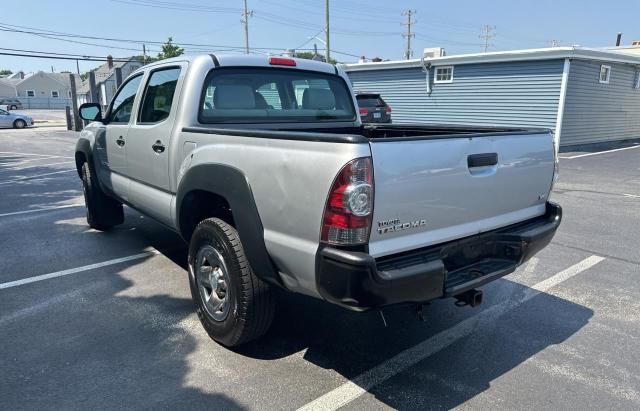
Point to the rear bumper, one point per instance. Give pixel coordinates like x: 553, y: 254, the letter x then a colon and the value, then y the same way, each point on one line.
x: 357, y: 281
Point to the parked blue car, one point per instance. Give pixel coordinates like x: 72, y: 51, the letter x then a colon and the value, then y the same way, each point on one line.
x: 14, y: 120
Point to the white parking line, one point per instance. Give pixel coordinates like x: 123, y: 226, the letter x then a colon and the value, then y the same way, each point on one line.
x: 631, y: 195
x: 353, y: 389
x: 39, y: 210
x: 32, y: 154
x: 24, y: 178
x: 12, y: 168
x: 599, y: 152
x: 21, y: 161
x: 62, y: 273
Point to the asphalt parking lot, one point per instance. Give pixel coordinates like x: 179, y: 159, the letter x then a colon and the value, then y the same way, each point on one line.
x: 105, y: 320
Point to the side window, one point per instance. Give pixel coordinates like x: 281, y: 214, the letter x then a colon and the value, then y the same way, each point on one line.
x: 123, y: 101
x: 158, y: 95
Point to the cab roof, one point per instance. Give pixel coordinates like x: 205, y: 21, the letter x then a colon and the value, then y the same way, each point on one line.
x: 236, y: 60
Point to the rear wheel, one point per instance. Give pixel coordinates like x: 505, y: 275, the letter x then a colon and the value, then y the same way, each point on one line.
x: 19, y: 123
x: 103, y: 212
x: 14, y: 107
x: 233, y: 304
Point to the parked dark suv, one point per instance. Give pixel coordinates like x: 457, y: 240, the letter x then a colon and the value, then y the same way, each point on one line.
x: 373, y: 109
x: 11, y: 103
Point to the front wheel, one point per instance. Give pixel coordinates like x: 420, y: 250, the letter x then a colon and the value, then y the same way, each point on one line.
x: 233, y: 304
x: 103, y: 212
x: 19, y: 124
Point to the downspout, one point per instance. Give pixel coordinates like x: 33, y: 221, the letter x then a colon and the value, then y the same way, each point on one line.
x: 561, y: 103
x: 426, y: 68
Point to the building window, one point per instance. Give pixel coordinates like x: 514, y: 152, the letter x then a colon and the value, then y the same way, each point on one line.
x: 55, y: 94
x: 636, y: 84
x: 31, y: 93
x: 444, y: 74
x: 605, y: 74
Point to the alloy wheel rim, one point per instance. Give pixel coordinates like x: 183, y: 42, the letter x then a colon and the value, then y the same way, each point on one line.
x: 212, y: 277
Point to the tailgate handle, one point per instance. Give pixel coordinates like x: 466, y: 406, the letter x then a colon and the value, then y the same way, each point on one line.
x: 482, y: 160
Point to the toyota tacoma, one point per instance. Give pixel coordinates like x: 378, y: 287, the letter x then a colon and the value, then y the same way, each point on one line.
x: 263, y: 166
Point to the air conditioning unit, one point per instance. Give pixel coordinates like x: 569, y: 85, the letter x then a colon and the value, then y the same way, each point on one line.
x: 434, y: 52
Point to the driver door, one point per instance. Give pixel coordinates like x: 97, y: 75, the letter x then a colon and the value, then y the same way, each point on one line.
x: 111, y: 142
x: 5, y: 119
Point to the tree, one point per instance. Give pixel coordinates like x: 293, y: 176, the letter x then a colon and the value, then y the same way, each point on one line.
x: 6, y: 72
x: 170, y: 50
x: 310, y: 56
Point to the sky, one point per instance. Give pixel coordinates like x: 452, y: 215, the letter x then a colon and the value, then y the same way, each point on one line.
x: 370, y: 28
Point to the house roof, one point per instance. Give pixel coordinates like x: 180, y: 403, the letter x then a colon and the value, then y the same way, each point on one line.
x: 103, y: 72
x: 10, y: 81
x: 505, y: 56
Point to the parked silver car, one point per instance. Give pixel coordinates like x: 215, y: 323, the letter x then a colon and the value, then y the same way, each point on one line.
x: 11, y: 103
x: 14, y: 120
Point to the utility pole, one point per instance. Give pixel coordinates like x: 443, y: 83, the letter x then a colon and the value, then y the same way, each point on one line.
x: 78, y: 66
x: 618, y: 39
x: 245, y: 20
x: 144, y: 54
x: 327, y: 53
x: 408, y: 53
x: 488, y: 32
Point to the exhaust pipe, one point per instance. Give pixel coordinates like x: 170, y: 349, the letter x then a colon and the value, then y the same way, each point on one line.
x: 472, y: 298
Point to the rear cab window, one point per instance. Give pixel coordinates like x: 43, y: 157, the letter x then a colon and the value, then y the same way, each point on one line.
x: 370, y: 101
x: 256, y: 95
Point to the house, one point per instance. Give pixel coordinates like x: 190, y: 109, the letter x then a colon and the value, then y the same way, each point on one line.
x: 106, y: 80
x: 38, y: 90
x: 584, y: 95
x: 7, y: 87
x: 44, y: 85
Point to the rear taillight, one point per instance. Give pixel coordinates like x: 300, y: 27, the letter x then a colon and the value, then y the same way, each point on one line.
x: 348, y: 213
x: 363, y: 111
x: 387, y: 110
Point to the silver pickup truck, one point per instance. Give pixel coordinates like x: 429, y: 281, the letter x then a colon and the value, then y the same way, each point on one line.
x: 263, y: 166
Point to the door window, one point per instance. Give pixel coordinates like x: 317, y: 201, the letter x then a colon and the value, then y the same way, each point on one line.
x: 122, y: 104
x: 158, y: 96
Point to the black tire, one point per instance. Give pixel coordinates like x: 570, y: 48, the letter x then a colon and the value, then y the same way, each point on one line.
x: 13, y: 108
x: 103, y: 212
x: 19, y: 123
x: 251, y: 304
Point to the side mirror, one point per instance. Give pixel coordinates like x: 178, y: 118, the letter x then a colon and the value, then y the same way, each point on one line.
x: 90, y: 112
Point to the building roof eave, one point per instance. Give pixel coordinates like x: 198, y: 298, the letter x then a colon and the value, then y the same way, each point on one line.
x: 504, y: 56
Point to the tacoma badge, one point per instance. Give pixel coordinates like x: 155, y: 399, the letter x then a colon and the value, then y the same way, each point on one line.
x: 391, y: 226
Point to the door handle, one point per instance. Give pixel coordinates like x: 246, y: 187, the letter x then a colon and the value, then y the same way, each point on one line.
x: 120, y: 141
x: 481, y: 160
x: 158, y: 147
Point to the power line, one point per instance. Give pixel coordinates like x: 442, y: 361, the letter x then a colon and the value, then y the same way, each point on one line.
x: 409, y: 13
x: 34, y: 31
x: 58, y: 57
x: 78, y: 56
x: 488, y: 32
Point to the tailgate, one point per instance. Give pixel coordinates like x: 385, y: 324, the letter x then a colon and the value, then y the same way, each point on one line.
x: 433, y: 190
